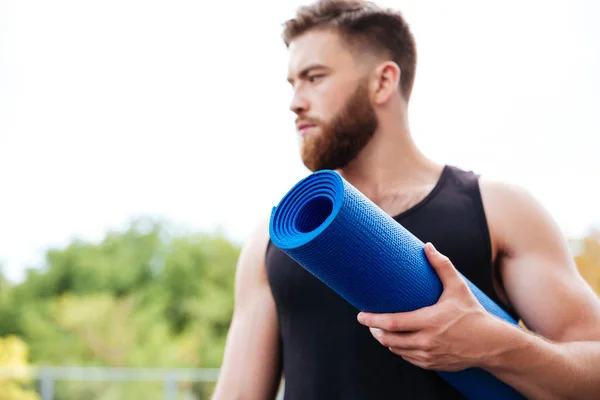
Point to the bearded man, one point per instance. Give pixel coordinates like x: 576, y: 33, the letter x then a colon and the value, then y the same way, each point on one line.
x: 352, y: 68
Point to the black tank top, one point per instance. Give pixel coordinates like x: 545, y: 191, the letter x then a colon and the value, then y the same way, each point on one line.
x: 327, y: 354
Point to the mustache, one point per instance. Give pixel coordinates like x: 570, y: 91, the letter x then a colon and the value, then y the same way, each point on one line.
x: 308, y: 120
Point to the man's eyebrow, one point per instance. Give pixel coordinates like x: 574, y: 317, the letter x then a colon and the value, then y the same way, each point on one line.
x: 306, y: 71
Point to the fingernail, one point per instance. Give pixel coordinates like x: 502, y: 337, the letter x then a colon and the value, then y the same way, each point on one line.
x: 360, y: 317
x: 432, y: 248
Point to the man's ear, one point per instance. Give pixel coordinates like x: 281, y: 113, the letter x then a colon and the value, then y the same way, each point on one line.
x: 385, y: 83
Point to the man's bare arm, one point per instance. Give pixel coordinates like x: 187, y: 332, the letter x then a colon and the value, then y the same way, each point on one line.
x: 250, y: 368
x: 543, y: 284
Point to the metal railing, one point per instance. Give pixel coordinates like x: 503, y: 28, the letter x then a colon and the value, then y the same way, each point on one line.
x: 171, y: 379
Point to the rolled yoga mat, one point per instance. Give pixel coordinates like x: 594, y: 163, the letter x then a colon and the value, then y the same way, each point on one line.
x: 350, y: 244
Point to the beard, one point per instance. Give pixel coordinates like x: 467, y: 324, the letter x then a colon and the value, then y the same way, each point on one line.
x: 340, y: 140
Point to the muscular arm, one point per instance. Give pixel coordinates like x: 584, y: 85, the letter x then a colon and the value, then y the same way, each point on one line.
x: 562, y: 359
x: 250, y: 368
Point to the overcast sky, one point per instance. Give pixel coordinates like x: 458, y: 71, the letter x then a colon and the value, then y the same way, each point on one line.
x: 179, y: 109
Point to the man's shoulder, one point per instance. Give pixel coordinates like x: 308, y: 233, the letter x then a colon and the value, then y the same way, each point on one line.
x: 511, y: 210
x: 259, y: 237
x: 253, y: 252
x: 493, y: 189
x: 505, y: 196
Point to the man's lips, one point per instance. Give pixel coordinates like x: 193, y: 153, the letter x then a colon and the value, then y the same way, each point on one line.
x: 303, y: 127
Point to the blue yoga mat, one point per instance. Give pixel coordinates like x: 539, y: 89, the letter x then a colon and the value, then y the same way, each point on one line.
x: 346, y: 241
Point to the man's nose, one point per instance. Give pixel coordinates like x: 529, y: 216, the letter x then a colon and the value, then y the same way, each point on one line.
x: 299, y: 104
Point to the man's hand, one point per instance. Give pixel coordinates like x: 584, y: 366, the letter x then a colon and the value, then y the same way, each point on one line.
x: 451, y: 335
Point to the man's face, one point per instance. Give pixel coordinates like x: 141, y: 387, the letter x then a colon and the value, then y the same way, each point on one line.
x: 331, y: 99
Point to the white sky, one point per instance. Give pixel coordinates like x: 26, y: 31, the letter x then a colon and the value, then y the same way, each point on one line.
x: 119, y: 108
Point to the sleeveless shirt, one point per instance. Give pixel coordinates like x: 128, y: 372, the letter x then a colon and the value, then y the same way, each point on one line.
x: 327, y: 354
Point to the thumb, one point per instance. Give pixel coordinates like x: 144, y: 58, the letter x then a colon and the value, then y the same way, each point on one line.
x: 442, y: 266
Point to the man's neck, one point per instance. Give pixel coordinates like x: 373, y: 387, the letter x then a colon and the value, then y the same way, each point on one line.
x: 391, y: 166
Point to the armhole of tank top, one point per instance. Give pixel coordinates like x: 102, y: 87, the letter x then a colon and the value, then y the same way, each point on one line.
x: 472, y: 185
x: 268, y: 250
x: 268, y: 247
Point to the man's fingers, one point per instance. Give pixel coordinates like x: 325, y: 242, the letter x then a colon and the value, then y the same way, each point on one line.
x: 398, y: 322
x: 442, y: 266
x: 404, y: 341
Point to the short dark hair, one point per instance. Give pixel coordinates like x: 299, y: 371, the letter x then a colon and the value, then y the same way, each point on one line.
x: 364, y: 26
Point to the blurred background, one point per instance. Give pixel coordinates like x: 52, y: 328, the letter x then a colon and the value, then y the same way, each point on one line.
x: 140, y: 141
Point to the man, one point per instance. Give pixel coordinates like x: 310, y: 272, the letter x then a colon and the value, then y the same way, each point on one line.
x: 352, y: 67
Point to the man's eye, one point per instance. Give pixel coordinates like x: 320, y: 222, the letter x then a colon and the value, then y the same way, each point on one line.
x: 314, y: 78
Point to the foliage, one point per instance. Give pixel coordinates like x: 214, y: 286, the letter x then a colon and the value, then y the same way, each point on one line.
x: 13, y: 359
x: 588, y: 259
x: 143, y: 297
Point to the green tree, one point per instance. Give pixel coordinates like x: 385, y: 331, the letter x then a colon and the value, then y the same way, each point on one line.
x: 148, y: 296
